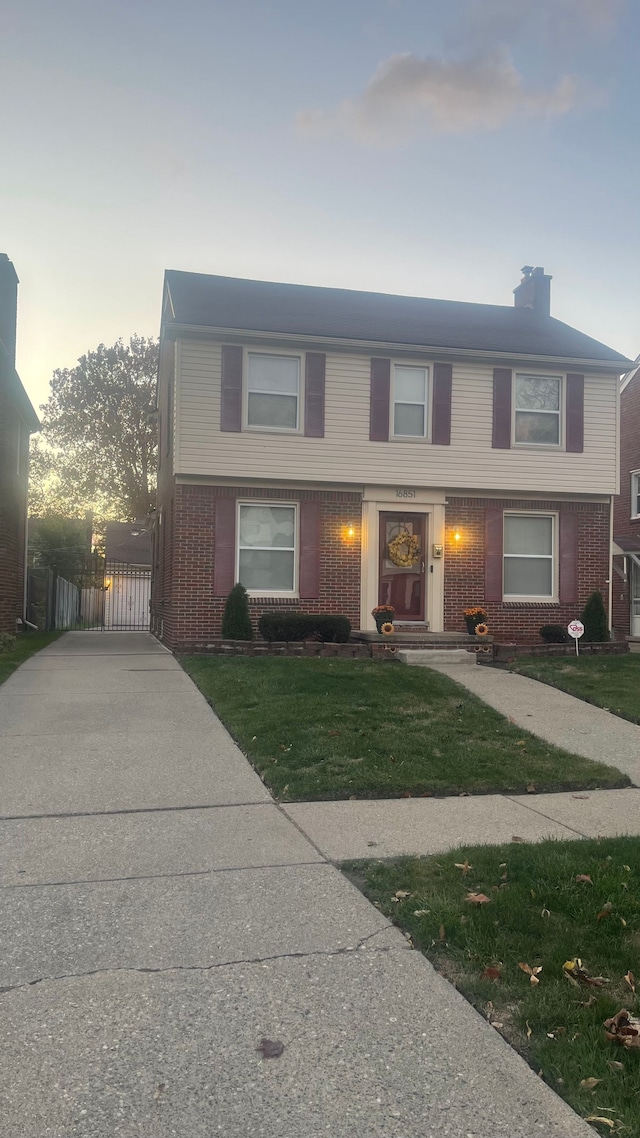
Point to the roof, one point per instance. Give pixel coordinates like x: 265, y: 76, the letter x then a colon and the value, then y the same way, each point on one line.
x: 233, y: 303
x: 630, y: 375
x: 628, y: 544
x: 127, y: 542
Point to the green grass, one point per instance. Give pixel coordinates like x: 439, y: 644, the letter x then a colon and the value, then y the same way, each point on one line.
x: 322, y: 729
x: 612, y: 682
x: 26, y: 644
x: 540, y: 915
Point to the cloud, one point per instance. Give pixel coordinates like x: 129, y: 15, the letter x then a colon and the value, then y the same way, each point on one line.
x: 448, y: 96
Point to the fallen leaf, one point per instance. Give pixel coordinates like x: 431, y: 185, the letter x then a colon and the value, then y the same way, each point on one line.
x: 464, y: 866
x: 589, y: 1084
x: 599, y: 1118
x: 579, y: 795
x: 372, y: 843
x: 402, y: 893
x: 577, y: 975
x: 623, y: 1029
x: 477, y: 899
x: 584, y: 878
x: 334, y: 732
x: 545, y: 913
x: 515, y: 838
x: 503, y: 876
x: 270, y: 1048
x: 463, y: 794
x: 605, y: 910
x: 532, y: 973
x: 420, y: 912
x: 503, y: 865
x: 521, y: 742
x: 588, y: 1003
x: 531, y: 788
x: 496, y: 1024
x: 441, y: 932
x: 627, y: 868
x: 529, y: 1029
x: 491, y: 973
x: 631, y: 981
x: 615, y: 1065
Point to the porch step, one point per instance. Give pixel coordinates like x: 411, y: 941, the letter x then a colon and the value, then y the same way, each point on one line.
x: 426, y: 657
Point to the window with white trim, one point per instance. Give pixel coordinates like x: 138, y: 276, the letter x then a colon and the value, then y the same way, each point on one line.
x: 267, y: 548
x: 529, y: 557
x: 273, y: 391
x: 410, y: 395
x: 538, y: 409
x: 635, y: 493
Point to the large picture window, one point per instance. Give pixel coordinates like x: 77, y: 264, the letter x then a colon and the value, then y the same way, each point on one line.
x: 273, y: 392
x: 538, y: 405
x: 410, y: 390
x: 529, y: 553
x: 267, y: 548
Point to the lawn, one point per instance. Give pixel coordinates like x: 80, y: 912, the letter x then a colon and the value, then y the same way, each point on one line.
x: 330, y: 728
x: 545, y: 905
x: 26, y: 644
x: 612, y: 682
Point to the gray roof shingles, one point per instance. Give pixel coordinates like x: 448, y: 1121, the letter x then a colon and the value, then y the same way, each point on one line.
x: 308, y: 310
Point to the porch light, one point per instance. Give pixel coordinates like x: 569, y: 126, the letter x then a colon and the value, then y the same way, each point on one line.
x: 107, y: 582
x: 349, y: 531
x: 457, y: 536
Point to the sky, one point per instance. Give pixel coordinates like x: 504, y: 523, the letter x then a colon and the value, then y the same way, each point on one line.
x: 425, y: 147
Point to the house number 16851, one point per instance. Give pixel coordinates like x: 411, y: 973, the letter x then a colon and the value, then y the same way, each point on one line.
x: 405, y: 493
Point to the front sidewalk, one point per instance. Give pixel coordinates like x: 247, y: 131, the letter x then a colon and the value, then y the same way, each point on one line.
x: 162, y: 915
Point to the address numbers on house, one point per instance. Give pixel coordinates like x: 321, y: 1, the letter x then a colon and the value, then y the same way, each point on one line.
x: 405, y: 493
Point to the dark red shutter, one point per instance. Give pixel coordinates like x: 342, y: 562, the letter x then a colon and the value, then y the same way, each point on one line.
x: 441, y: 430
x: 493, y: 542
x: 231, y: 396
x: 575, y: 412
x: 379, y: 406
x: 309, y: 586
x: 314, y: 394
x: 568, y: 557
x: 224, y: 550
x: 501, y: 408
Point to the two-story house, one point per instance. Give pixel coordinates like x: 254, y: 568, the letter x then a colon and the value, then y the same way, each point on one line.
x: 334, y: 450
x: 626, y: 564
x: 17, y: 420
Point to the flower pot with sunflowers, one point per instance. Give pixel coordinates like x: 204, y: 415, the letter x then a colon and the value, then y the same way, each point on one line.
x: 473, y: 617
x: 383, y: 614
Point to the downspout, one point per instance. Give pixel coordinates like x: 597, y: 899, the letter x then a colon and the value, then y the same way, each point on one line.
x: 610, y: 560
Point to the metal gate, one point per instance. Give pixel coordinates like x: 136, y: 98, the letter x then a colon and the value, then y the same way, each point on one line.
x: 93, y: 595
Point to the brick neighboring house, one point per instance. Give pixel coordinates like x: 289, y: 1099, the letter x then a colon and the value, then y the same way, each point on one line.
x: 626, y: 526
x: 17, y: 421
x: 303, y: 430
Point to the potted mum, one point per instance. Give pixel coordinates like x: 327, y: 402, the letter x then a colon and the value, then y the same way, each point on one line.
x: 473, y: 617
x: 383, y: 614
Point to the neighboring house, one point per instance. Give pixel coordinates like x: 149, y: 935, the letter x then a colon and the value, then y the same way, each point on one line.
x: 626, y: 526
x: 334, y: 450
x: 17, y: 421
x: 127, y: 575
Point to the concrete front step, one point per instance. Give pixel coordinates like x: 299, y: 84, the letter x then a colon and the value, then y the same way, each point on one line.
x: 426, y: 657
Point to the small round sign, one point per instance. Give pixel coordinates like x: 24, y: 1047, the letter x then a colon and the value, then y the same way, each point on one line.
x: 575, y: 629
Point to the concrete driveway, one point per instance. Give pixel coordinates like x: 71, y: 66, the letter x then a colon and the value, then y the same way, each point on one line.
x: 161, y: 915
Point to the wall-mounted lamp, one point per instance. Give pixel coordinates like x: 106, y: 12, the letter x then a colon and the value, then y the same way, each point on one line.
x: 350, y: 530
x: 107, y: 582
x: 457, y: 536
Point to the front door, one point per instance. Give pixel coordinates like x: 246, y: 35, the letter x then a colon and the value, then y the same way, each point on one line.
x: 635, y: 599
x: 402, y: 561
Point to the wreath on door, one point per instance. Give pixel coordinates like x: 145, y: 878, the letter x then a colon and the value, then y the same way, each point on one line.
x: 404, y: 550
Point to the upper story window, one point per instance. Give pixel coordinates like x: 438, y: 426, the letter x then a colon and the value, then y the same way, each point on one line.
x: 635, y: 493
x: 409, y: 402
x: 538, y: 410
x: 273, y: 391
x: 267, y: 549
x: 529, y: 557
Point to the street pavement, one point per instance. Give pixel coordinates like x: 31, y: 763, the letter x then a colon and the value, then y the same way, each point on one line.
x: 161, y: 915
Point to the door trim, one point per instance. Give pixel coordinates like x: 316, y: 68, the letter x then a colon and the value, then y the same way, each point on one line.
x: 382, y: 517
x: 434, y: 569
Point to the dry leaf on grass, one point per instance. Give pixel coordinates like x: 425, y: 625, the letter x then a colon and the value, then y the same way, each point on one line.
x: 631, y: 981
x: 529, y: 1029
x: 270, y: 1048
x: 401, y: 894
x: 577, y: 975
x: 615, y: 1065
x: 464, y: 866
x: 623, y: 1029
x: 605, y: 910
x: 491, y: 973
x: 516, y: 838
x: 477, y: 899
x: 589, y: 1084
x: 532, y: 973
x: 598, y: 1118
x: 584, y: 878
x: 531, y: 788
x: 441, y: 932
x: 420, y: 912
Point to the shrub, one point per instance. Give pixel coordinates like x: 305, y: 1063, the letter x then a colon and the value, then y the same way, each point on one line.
x: 7, y: 641
x: 236, y: 622
x: 594, y: 618
x: 303, y: 626
x: 554, y: 634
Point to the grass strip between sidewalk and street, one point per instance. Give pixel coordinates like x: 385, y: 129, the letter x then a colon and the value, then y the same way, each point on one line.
x: 513, y: 953
x: 27, y: 643
x: 611, y: 682
x: 331, y: 728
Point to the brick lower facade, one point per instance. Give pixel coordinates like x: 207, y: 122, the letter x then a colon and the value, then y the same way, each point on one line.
x: 186, y: 612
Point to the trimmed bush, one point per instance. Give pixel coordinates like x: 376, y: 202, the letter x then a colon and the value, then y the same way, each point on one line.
x: 7, y: 641
x: 594, y: 618
x: 554, y: 634
x: 303, y: 626
x: 236, y: 622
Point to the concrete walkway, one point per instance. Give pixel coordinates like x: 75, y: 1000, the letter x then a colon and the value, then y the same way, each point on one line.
x: 161, y: 915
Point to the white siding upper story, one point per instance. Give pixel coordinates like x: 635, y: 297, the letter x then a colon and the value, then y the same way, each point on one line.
x: 346, y: 455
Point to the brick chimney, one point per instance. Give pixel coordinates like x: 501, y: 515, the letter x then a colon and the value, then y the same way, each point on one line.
x: 534, y: 290
x: 8, y: 306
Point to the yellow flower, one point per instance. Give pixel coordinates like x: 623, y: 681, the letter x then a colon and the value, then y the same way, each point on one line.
x: 482, y: 629
x: 388, y: 628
